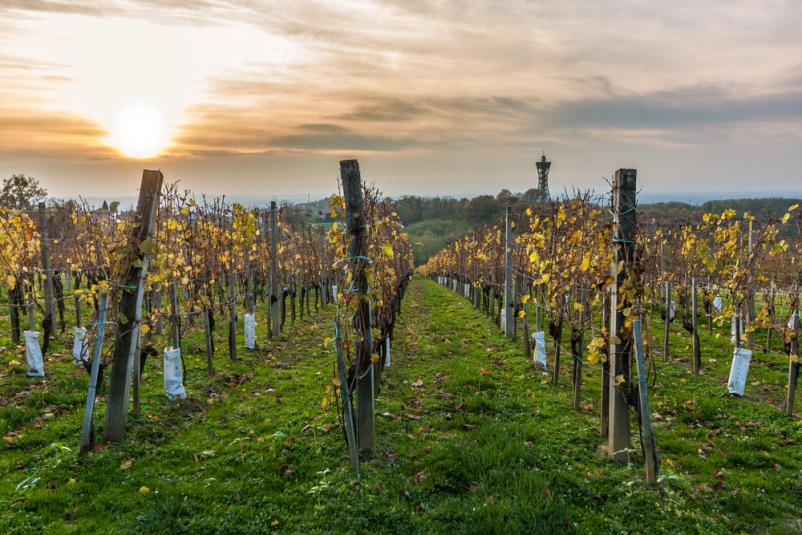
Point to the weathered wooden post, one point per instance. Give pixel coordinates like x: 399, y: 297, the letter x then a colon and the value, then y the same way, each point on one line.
x: 357, y: 253
x: 649, y: 445
x: 156, y: 300
x: 76, y: 299
x: 232, y: 314
x: 137, y: 379
x: 324, y: 285
x: 509, y: 312
x: 50, y: 311
x: 13, y: 312
x: 605, y: 376
x: 793, y: 366
x: 624, y: 184
x: 771, y: 311
x: 208, y: 338
x: 94, y: 371
x: 577, y: 341
x: 697, y: 350
x: 750, y: 303
x: 275, y: 314
x: 130, y: 311
x: 667, y: 326
x: 175, y: 325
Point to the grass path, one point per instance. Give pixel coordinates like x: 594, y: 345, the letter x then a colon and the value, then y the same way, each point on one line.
x: 471, y: 439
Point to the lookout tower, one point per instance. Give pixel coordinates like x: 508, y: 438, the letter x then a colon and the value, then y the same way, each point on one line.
x: 543, y: 178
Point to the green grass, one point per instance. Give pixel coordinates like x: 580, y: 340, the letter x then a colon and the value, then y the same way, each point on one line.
x: 470, y: 439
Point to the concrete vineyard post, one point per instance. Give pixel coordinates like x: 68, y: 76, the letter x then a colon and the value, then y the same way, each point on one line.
x: 620, y: 341
x: 130, y: 310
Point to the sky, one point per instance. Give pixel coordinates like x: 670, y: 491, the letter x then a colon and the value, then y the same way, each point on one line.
x: 264, y: 98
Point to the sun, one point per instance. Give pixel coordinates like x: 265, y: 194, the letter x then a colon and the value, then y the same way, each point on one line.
x: 139, y: 131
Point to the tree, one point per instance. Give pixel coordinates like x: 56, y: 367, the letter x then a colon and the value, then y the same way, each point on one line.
x: 21, y: 192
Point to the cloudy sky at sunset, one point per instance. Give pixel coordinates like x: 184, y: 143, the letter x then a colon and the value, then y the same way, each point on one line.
x: 433, y: 97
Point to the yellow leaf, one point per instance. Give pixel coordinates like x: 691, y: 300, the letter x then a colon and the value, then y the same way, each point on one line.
x: 387, y: 250
x: 585, y: 263
x: 144, y: 490
x: 786, y: 217
x: 525, y: 298
x: 11, y: 282
x: 619, y: 379
x: 521, y: 314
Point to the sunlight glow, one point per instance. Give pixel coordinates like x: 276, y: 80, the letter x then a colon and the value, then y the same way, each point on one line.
x: 139, y: 131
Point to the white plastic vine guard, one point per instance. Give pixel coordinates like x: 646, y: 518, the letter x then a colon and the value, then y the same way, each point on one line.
x: 540, y: 348
x: 79, y: 346
x: 33, y: 355
x: 173, y: 375
x: 739, y: 370
x: 387, y: 352
x: 334, y: 293
x: 467, y: 291
x: 672, y: 311
x: 792, y: 320
x: 718, y: 303
x: 250, y: 331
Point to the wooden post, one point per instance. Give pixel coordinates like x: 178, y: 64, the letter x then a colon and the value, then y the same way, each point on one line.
x: 13, y: 313
x: 207, y: 336
x: 345, y: 395
x: 793, y: 367
x: 50, y: 311
x: 667, y: 326
x: 605, y: 376
x: 250, y: 301
x: 156, y: 299
x: 357, y: 253
x: 697, y: 350
x: 771, y: 318
x: 750, y: 304
x: 620, y: 341
x: 232, y: 314
x: 89, y: 408
x: 508, y: 295
x: 29, y: 306
x: 130, y: 310
x: 175, y: 325
x: 577, y: 341
x: 649, y: 445
x: 77, y: 301
x: 324, y: 288
x: 136, y: 372
x: 275, y: 315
